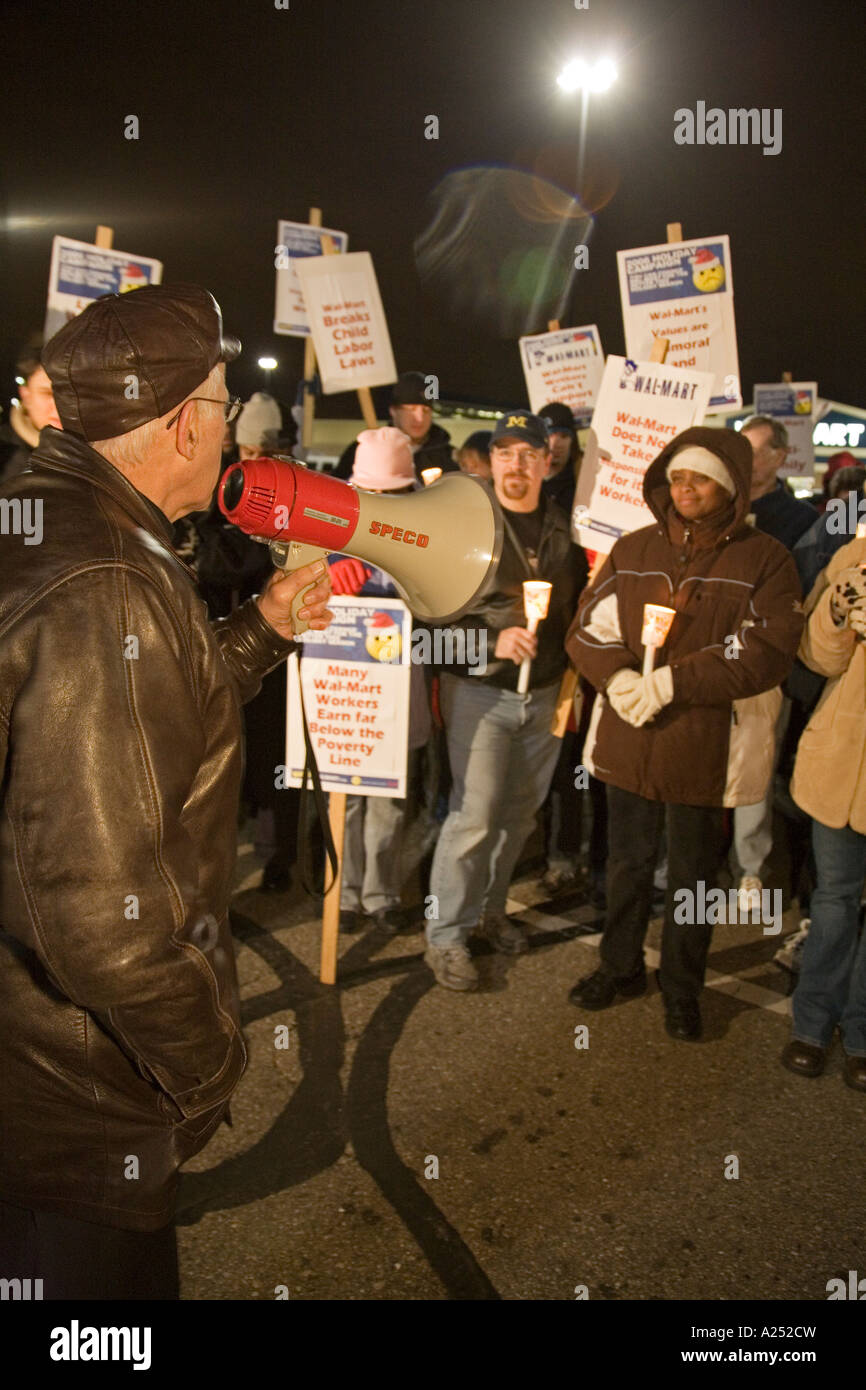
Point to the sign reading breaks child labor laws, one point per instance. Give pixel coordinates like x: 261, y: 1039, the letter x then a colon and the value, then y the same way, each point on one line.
x: 81, y: 272
x: 350, y: 333
x: 355, y: 678
x: 296, y: 240
x: 641, y: 407
x: 684, y: 291
x: 793, y: 404
x: 566, y: 366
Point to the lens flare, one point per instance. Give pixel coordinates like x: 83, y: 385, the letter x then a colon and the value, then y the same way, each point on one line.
x: 499, y: 248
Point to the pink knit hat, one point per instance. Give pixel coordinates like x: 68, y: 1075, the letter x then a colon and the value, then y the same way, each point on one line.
x: 383, y: 460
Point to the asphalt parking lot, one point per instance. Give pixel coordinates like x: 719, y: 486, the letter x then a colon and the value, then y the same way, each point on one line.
x: 394, y: 1140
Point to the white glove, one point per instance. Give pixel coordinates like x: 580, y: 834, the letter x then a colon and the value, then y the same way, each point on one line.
x: 623, y: 689
x: 848, y: 591
x: 656, y: 690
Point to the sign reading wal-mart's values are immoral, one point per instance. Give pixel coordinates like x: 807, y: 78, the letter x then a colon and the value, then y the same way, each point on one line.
x: 684, y: 291
x: 641, y: 407
x: 347, y: 320
x: 355, y: 678
x: 81, y: 272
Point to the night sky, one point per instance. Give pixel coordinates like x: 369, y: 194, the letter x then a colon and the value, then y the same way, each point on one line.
x: 249, y: 113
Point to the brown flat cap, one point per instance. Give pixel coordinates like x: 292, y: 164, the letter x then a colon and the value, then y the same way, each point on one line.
x: 129, y: 358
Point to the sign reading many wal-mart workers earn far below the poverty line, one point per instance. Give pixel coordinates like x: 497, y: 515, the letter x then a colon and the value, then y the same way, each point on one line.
x: 641, y: 407
x: 566, y: 366
x: 684, y: 291
x: 81, y: 272
x: 347, y: 321
x: 296, y: 240
x: 356, y: 693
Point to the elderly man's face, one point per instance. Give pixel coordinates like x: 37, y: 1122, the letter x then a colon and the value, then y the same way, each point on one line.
x: 211, y: 427
x: 37, y: 399
x: 766, y: 461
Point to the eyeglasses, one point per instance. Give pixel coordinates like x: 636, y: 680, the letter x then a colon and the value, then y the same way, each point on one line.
x: 508, y: 454
x: 231, y: 407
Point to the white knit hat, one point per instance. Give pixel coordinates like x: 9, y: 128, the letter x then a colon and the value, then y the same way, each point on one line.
x: 698, y: 460
x: 383, y: 460
x: 260, y: 417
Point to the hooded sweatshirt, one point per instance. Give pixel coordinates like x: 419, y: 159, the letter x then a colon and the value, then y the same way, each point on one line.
x: 737, y: 624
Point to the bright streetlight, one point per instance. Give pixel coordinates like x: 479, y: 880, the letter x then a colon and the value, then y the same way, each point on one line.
x: 581, y: 76
x: 268, y: 364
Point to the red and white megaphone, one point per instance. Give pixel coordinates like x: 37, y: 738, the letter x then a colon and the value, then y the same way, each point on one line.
x: 438, y: 545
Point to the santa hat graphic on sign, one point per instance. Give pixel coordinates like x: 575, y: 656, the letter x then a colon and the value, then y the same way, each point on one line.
x: 708, y: 273
x: 383, y: 637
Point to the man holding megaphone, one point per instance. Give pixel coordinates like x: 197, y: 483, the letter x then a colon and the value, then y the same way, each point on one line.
x: 120, y: 1036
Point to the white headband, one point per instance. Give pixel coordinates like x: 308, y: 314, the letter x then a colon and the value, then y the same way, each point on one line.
x: 698, y: 460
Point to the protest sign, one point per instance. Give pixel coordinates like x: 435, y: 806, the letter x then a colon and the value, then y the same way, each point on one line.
x: 295, y: 240
x: 81, y: 272
x: 563, y: 366
x: 794, y: 404
x: 355, y: 678
x: 641, y: 407
x: 683, y: 291
x: 347, y: 320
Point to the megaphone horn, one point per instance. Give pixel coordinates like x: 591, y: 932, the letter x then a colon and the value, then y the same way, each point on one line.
x: 438, y: 545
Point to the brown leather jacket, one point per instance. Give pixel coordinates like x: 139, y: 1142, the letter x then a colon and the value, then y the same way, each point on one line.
x: 120, y: 1040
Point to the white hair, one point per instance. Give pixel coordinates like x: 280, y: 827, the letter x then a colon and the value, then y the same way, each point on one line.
x: 130, y: 450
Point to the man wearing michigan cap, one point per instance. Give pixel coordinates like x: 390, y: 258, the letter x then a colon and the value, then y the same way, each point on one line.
x: 120, y: 1040
x: 500, y: 747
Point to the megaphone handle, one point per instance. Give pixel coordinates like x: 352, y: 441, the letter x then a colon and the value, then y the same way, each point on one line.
x: 293, y: 555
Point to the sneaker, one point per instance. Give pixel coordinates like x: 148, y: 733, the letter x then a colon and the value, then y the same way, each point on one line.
x: 790, y: 953
x: 453, y: 966
x: 749, y: 895
x: 503, y: 934
x: 350, y: 919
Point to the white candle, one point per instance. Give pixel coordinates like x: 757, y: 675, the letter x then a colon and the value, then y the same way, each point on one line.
x: 536, y: 600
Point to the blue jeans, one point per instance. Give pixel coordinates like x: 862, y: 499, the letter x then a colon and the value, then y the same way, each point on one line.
x: 502, y: 757
x: 832, y: 984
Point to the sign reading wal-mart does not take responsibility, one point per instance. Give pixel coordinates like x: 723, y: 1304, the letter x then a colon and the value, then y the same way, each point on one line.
x: 641, y: 407
x: 355, y: 678
x: 347, y: 321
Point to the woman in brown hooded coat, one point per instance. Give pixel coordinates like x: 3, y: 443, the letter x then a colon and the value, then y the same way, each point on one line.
x: 693, y: 736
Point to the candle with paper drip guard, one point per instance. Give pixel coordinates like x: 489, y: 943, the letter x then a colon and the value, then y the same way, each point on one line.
x: 656, y: 625
x: 536, y: 600
x: 430, y: 475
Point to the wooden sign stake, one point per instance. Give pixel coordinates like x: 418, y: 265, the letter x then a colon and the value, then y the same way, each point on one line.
x: 104, y: 238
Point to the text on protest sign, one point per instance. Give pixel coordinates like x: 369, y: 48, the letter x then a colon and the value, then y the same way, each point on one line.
x: 81, y: 273
x: 566, y: 366
x: 347, y: 321
x: 794, y: 404
x: 684, y: 291
x: 641, y: 407
x: 294, y: 240
x: 356, y: 692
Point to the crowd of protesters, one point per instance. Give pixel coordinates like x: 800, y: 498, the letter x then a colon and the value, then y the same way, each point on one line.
x: 659, y: 780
